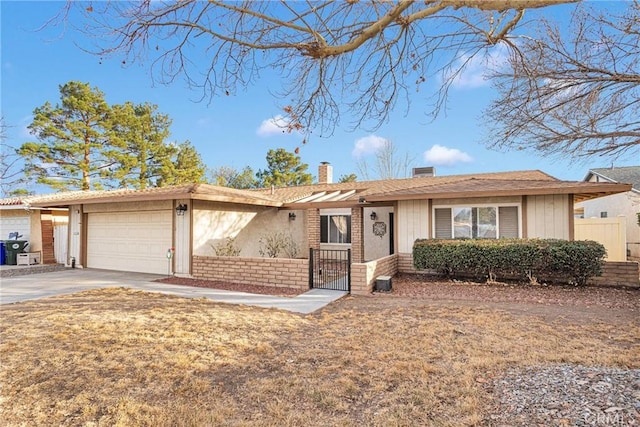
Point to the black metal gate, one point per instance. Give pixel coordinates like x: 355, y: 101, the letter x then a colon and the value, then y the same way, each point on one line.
x: 330, y: 269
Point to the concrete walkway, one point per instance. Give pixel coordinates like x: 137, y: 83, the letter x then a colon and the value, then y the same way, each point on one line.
x: 33, y: 286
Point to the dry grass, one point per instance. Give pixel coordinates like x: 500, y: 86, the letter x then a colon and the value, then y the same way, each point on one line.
x: 120, y: 357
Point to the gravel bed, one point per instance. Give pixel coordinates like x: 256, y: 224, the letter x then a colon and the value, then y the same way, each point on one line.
x: 566, y: 395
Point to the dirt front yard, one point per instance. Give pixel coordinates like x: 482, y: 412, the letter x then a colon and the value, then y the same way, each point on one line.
x: 426, y: 354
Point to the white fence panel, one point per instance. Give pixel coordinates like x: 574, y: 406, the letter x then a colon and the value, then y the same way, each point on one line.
x: 60, y: 243
x: 610, y: 232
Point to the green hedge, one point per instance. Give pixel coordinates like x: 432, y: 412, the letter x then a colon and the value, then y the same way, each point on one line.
x: 561, y: 260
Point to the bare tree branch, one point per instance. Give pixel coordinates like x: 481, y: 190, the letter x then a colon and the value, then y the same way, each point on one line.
x: 574, y: 96
x: 355, y: 57
x: 11, y: 176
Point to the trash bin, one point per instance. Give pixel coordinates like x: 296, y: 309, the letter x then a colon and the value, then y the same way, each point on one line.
x: 2, y: 254
x: 12, y: 248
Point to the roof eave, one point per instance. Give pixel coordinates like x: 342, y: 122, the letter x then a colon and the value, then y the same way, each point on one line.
x: 158, y: 197
x: 595, y: 191
x: 237, y: 200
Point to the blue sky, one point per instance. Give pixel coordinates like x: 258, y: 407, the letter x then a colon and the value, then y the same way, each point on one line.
x: 237, y: 130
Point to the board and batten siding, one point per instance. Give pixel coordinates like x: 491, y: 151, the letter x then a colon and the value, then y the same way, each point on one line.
x: 548, y: 217
x: 413, y: 223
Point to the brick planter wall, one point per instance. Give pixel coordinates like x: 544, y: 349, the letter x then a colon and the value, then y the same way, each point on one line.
x: 277, y: 272
x: 405, y: 265
x: 613, y: 273
x: 618, y: 274
x: 363, y: 275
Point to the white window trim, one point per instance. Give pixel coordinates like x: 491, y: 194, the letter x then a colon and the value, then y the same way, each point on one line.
x: 497, y: 206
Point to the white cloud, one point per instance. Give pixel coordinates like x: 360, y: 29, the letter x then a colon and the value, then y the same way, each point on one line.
x: 367, y: 145
x: 273, y: 126
x: 474, y: 70
x: 439, y: 155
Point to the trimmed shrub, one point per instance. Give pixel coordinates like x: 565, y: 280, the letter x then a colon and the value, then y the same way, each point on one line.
x: 521, y: 259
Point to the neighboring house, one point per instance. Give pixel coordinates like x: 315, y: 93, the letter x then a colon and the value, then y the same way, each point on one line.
x: 44, y: 229
x: 625, y: 204
x: 136, y: 230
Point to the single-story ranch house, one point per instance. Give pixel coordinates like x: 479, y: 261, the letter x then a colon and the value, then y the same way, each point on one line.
x: 176, y: 230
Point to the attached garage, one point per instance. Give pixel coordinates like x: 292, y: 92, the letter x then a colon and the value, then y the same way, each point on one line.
x: 15, y: 221
x: 129, y: 241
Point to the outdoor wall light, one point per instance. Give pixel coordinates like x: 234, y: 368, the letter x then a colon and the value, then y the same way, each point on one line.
x: 374, y: 216
x: 292, y: 216
x: 181, y: 209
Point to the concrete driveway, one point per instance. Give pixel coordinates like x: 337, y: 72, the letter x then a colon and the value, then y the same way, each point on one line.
x: 34, y: 286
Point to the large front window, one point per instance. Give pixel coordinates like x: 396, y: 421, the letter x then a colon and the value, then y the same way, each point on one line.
x: 335, y: 229
x: 477, y: 222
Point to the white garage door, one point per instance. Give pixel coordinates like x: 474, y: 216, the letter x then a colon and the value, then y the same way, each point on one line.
x: 129, y: 241
x: 11, y: 224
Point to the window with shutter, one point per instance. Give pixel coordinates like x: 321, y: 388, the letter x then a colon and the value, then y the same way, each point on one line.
x: 477, y: 222
x: 443, y: 223
x: 508, y: 217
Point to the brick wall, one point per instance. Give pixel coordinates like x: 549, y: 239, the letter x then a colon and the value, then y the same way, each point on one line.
x: 405, y: 265
x: 325, y: 173
x: 357, y: 235
x: 618, y: 274
x: 363, y: 275
x: 313, y: 228
x: 277, y: 272
x: 613, y: 273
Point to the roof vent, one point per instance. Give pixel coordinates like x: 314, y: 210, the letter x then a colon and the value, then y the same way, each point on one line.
x: 424, y: 171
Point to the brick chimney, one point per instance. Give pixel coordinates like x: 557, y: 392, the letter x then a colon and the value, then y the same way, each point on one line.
x: 325, y: 173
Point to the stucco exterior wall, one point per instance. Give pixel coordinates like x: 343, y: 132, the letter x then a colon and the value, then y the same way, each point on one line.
x: 376, y: 246
x: 548, y: 217
x: 623, y: 204
x: 213, y: 223
x: 35, y: 234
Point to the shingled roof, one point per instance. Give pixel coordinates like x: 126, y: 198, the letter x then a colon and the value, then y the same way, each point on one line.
x: 186, y: 191
x: 624, y: 175
x: 533, y: 182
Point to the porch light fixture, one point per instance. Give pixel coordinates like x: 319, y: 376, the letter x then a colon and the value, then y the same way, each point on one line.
x: 374, y: 216
x: 181, y: 209
x: 292, y: 216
